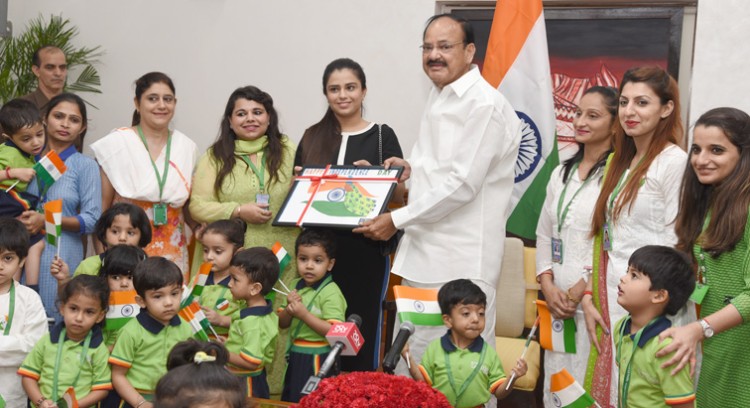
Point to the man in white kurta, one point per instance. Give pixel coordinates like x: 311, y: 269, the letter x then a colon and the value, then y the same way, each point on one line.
x: 462, y: 171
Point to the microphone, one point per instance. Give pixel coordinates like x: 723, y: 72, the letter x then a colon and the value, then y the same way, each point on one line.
x: 394, y: 354
x: 345, y: 339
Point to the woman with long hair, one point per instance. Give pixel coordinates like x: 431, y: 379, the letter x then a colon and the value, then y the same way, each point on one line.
x: 344, y: 137
x: 563, y: 234
x: 637, y: 206
x: 713, y: 225
x: 150, y: 165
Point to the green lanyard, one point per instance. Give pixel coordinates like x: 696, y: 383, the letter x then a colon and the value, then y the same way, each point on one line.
x: 620, y: 184
x: 258, y: 173
x: 468, y: 381
x: 161, y: 179
x: 58, y: 360
x: 561, y: 217
x: 11, y: 308
x: 629, y: 369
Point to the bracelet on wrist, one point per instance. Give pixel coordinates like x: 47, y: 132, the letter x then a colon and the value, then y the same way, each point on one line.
x: 539, y: 277
x: 7, y: 173
x: 40, y: 400
x: 571, y: 298
x: 587, y: 292
x: 141, y: 402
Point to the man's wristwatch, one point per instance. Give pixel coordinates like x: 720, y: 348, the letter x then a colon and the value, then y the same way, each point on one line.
x: 708, y: 331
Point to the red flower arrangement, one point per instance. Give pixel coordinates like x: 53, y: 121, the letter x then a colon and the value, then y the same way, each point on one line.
x: 373, y: 390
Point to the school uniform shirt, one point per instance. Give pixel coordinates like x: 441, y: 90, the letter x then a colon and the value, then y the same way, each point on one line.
x: 93, y: 373
x: 462, y: 363
x: 650, y: 385
x: 324, y: 300
x: 90, y: 265
x: 29, y: 324
x: 462, y: 171
x: 253, y: 337
x: 216, y: 296
x: 143, y: 346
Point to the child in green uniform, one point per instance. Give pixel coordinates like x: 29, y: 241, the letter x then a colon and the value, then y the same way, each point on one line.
x: 23, y: 139
x: 121, y: 224
x: 117, y: 269
x: 139, y: 358
x: 313, y: 305
x: 73, y: 354
x: 197, y: 378
x: 252, y: 337
x: 659, y: 281
x: 221, y: 240
x: 460, y: 364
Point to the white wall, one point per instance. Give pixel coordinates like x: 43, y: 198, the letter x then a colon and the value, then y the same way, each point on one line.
x: 211, y: 47
x: 722, y: 57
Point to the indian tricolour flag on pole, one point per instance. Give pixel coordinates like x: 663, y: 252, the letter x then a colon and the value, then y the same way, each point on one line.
x: 517, y: 63
x: 556, y: 334
x: 198, y: 285
x: 567, y: 392
x: 49, y: 168
x: 193, y: 314
x: 282, y: 255
x: 53, y: 221
x: 417, y: 305
x: 122, y: 308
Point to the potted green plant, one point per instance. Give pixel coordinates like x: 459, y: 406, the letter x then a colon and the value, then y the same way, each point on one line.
x: 16, y: 78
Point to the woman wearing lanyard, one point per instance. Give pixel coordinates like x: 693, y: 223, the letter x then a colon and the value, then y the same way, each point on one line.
x: 563, y: 235
x: 79, y: 188
x: 714, y: 226
x: 637, y: 206
x: 247, y: 174
x: 151, y: 166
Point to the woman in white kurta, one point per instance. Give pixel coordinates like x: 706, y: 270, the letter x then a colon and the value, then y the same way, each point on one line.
x: 566, y: 220
x: 151, y: 166
x: 637, y: 206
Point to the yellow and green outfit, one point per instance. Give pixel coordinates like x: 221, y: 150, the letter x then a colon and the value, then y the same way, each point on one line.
x: 143, y: 346
x: 57, y: 363
x: 90, y: 265
x: 253, y: 336
x: 308, y: 349
x: 643, y: 383
x: 467, y: 377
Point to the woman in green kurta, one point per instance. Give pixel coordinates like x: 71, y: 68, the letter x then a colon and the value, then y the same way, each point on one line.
x: 246, y: 174
x: 713, y: 224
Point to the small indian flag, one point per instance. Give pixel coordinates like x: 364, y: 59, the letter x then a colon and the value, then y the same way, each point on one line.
x: 53, y: 221
x: 556, y: 334
x: 417, y: 305
x: 200, y: 283
x: 567, y: 393
x: 122, y: 308
x: 68, y: 400
x: 281, y: 254
x: 193, y: 315
x: 49, y: 168
x: 223, y: 305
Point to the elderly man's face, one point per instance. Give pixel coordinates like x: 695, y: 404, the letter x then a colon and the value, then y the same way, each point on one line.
x: 445, y: 58
x: 52, y: 70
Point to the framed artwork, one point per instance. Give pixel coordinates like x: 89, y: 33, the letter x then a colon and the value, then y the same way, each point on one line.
x: 594, y: 46
x: 337, y: 196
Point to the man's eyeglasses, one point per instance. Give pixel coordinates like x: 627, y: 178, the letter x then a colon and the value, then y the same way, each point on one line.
x: 441, y: 48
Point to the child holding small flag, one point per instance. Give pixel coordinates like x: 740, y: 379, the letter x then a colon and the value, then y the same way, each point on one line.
x: 117, y: 269
x: 312, y: 307
x: 221, y: 240
x: 73, y: 354
x: 22, y: 318
x: 140, y: 354
x: 252, y: 337
x: 460, y: 364
x: 658, y: 282
x: 23, y: 133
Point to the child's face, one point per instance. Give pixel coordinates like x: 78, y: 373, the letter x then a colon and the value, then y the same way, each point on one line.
x: 120, y: 283
x: 163, y: 303
x: 634, y: 291
x: 81, y: 312
x: 241, y: 286
x: 10, y: 264
x: 313, y: 263
x: 29, y: 139
x: 217, y: 250
x: 465, y: 321
x: 122, y: 232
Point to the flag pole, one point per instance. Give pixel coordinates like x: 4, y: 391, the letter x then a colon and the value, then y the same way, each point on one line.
x: 525, y: 349
x: 11, y: 187
x: 59, y: 240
